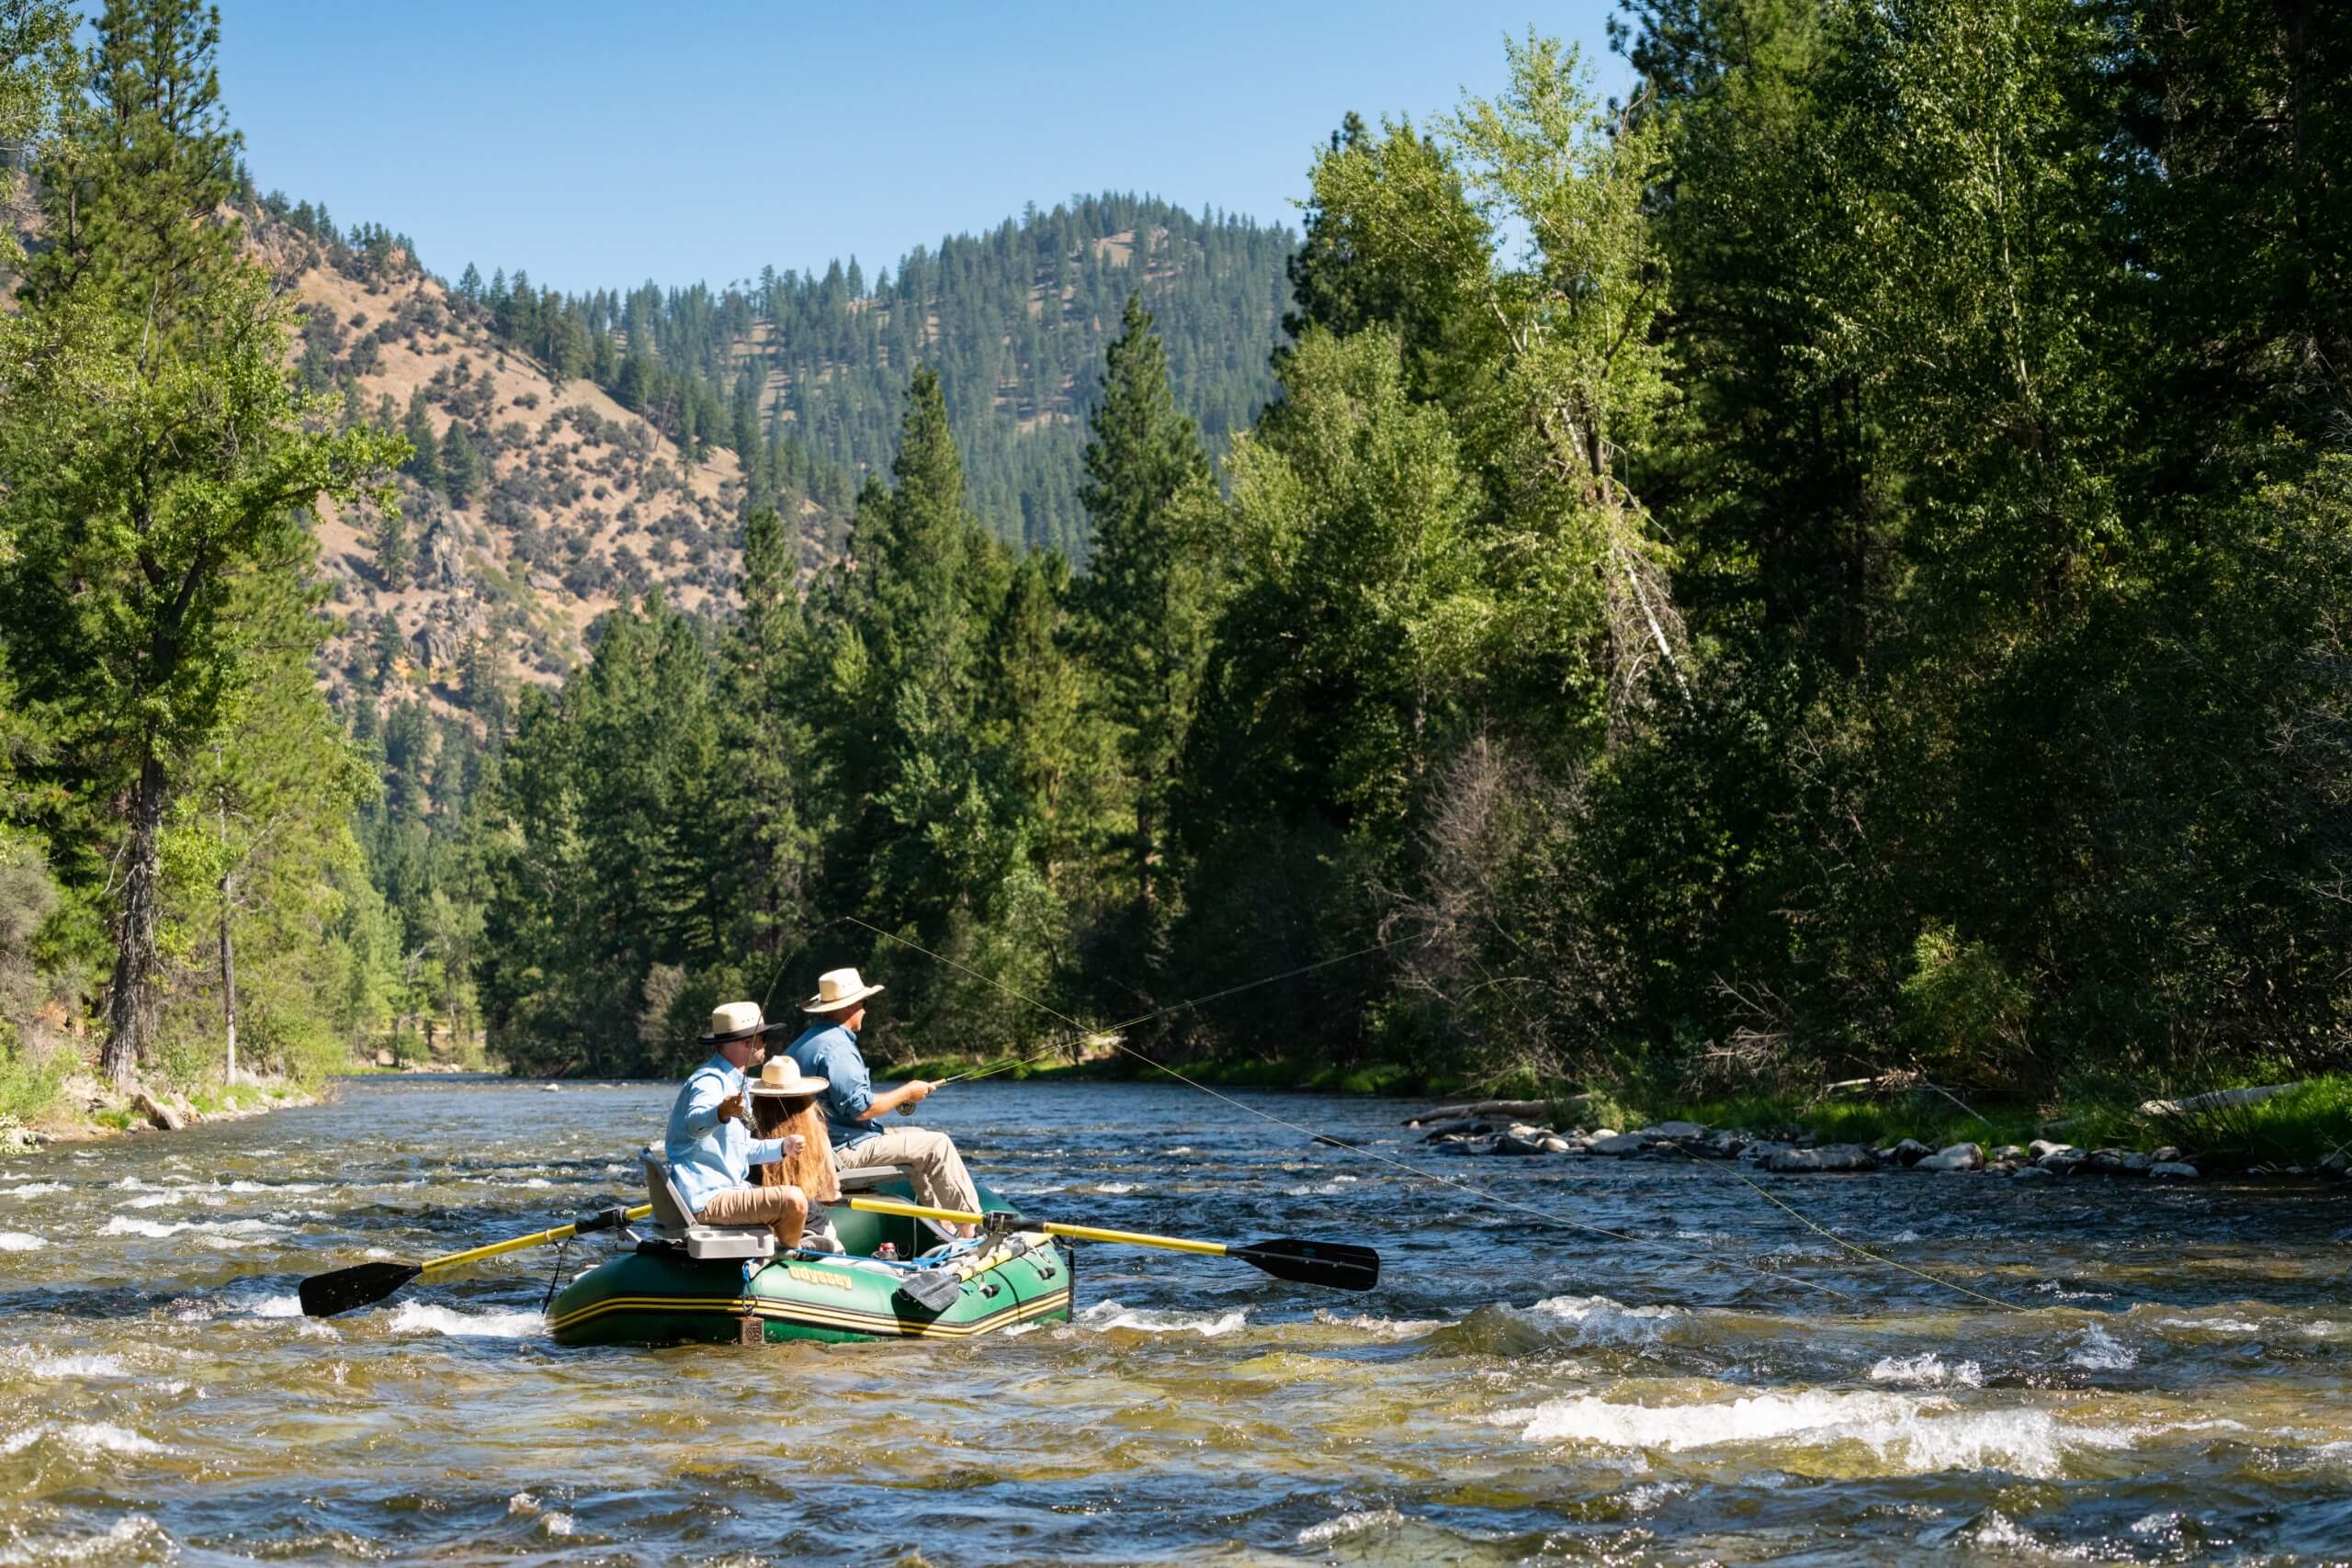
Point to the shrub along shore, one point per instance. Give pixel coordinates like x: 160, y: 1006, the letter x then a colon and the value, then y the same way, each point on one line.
x: 2301, y: 1129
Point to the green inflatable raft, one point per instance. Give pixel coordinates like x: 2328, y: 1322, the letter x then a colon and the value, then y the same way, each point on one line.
x: 692, y: 1283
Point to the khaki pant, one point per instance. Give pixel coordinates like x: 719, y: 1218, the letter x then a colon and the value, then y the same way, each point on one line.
x: 782, y: 1210
x: 940, y: 1181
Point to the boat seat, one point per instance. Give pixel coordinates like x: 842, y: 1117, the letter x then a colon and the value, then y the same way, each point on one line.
x: 676, y: 1222
x: 866, y: 1179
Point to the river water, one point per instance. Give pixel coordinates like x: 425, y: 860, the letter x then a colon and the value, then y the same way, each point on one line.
x: 2174, y: 1389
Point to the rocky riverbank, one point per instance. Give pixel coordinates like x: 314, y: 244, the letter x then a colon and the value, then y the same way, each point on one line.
x: 84, y: 1109
x: 1796, y: 1150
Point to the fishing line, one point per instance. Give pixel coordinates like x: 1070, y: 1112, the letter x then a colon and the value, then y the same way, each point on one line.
x: 1855, y: 1248
x: 1474, y: 1193
x: 1081, y: 1032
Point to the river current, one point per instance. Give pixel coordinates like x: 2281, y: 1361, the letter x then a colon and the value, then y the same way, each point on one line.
x: 2173, y: 1388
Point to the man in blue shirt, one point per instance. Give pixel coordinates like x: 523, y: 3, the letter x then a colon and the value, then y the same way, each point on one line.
x: 709, y: 1148
x: 827, y: 1049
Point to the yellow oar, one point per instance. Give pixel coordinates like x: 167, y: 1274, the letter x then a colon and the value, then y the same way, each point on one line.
x: 1334, y: 1263
x: 324, y: 1295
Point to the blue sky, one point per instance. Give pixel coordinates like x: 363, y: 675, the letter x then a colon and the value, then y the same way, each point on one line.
x: 603, y: 144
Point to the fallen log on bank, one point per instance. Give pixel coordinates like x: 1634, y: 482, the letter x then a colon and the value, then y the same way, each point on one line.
x: 2215, y: 1099
x: 1515, y: 1109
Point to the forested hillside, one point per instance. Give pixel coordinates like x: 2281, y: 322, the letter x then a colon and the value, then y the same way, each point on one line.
x: 1836, y: 567
x: 796, y: 367
x: 1727, y: 596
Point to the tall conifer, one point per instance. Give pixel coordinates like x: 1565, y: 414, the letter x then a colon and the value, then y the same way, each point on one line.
x: 143, y: 316
x: 1143, y: 603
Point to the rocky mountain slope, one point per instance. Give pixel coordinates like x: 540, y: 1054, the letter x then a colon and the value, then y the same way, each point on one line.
x: 577, y: 502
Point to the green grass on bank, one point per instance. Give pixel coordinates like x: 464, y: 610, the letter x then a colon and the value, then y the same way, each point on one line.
x: 2300, y: 1127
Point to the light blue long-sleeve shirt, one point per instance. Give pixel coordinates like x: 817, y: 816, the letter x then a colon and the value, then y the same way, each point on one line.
x: 707, y: 1154
x: 828, y: 1051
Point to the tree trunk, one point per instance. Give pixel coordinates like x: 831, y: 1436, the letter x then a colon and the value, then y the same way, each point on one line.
x: 1143, y: 890
x: 132, y: 1007
x: 228, y: 976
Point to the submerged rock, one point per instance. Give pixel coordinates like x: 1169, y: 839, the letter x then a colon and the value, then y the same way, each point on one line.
x: 2173, y: 1170
x: 1829, y: 1158
x: 2034, y: 1173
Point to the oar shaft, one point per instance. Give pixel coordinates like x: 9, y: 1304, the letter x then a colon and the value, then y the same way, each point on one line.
x: 516, y: 1244
x: 1076, y: 1233
x: 1133, y: 1239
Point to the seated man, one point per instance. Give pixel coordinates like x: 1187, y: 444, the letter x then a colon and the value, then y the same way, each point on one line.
x: 711, y: 1154
x: 827, y: 1049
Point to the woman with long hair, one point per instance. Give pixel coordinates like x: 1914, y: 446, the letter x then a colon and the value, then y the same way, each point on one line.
x: 784, y: 1101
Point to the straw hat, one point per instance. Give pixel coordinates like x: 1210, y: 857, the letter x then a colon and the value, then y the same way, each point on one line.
x: 736, y: 1020
x: 783, y: 1078
x: 837, y: 991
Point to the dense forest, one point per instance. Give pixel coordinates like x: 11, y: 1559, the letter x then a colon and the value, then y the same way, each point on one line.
x: 803, y: 376
x: 1837, y: 563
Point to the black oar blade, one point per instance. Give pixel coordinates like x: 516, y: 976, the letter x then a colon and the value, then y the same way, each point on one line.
x: 1334, y: 1263
x: 324, y: 1295
x: 933, y: 1290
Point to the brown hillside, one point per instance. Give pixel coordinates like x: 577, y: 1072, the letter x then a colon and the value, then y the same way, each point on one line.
x: 580, y: 501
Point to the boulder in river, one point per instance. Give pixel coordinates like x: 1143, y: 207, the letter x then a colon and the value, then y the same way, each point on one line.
x: 1520, y: 1140
x: 1555, y: 1144
x: 1459, y: 1124
x: 2011, y: 1153
x: 1617, y: 1145
x: 1829, y: 1157
x: 2173, y: 1170
x: 1909, y: 1152
x: 1959, y: 1156
x: 2034, y: 1173
x: 1679, y: 1131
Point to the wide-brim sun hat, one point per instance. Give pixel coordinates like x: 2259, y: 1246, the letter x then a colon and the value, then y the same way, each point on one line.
x: 736, y: 1020
x: 837, y: 990
x: 781, y: 1079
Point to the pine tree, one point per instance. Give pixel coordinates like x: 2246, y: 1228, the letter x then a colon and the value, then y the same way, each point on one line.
x: 1143, y: 603
x: 764, y: 739
x: 462, y: 466
x: 394, y: 552
x: 423, y: 463
x: 142, y: 316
